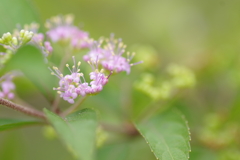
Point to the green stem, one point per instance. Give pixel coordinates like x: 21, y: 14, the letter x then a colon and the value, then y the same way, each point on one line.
x: 63, y: 62
x: 74, y: 107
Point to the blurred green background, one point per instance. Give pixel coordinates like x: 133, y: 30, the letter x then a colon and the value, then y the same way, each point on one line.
x: 203, y: 35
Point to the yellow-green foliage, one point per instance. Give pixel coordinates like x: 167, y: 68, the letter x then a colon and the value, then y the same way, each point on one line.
x: 180, y: 77
x: 101, y: 136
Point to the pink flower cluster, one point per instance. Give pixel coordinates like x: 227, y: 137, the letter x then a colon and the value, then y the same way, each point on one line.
x: 74, y: 84
x: 105, y: 53
x: 110, y: 55
x: 62, y: 29
x: 7, y: 86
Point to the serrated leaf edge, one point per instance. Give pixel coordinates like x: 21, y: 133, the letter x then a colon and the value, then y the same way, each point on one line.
x: 186, y: 123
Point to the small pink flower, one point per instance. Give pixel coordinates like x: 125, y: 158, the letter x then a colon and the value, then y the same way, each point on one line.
x: 73, y: 85
x: 110, y: 56
x: 63, y: 30
x: 7, y: 86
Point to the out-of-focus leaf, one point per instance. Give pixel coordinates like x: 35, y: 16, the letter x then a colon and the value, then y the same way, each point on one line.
x: 78, y: 131
x: 30, y: 61
x: 133, y: 149
x: 118, y: 151
x: 167, y: 135
x: 141, y: 103
x: 201, y: 153
x: 12, y: 145
x: 13, y: 12
x: 6, y: 124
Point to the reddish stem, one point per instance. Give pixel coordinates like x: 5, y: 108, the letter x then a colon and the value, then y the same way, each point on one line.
x: 23, y: 109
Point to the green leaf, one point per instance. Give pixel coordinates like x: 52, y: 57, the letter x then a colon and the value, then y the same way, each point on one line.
x: 132, y: 149
x: 13, y: 145
x: 6, y: 124
x: 118, y: 151
x: 78, y: 131
x: 30, y: 61
x: 167, y: 134
x: 13, y: 12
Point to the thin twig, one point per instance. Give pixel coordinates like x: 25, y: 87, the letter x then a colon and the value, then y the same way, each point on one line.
x: 55, y: 103
x: 57, y: 97
x: 75, y: 106
x: 23, y: 109
x: 65, y: 59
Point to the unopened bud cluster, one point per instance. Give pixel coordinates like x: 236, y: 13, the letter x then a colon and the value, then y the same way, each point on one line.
x: 38, y: 39
x: 181, y: 77
x: 145, y: 84
x: 14, y: 42
x: 11, y: 42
